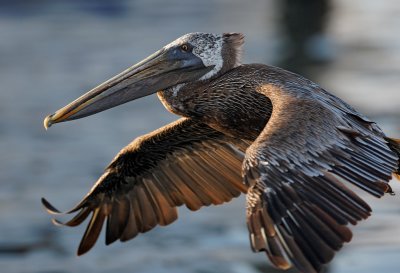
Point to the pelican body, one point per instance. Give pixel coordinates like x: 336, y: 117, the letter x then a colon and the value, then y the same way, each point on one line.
x: 255, y: 129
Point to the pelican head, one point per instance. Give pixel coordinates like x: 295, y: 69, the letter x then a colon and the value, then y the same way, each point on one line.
x: 192, y: 57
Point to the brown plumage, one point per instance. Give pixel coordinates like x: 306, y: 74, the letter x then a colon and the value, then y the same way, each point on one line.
x: 294, y: 146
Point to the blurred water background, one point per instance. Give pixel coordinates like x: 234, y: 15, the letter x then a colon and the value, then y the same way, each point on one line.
x: 53, y: 51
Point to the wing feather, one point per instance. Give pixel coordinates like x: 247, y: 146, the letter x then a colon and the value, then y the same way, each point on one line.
x: 132, y: 227
x: 298, y: 208
x: 184, y: 163
x: 117, y: 219
x: 93, y: 229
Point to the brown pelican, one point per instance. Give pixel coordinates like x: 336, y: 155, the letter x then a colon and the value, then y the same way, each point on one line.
x: 255, y: 129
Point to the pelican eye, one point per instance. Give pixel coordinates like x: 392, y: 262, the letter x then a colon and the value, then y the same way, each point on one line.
x: 185, y: 47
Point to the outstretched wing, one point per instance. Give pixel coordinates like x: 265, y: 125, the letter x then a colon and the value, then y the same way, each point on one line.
x: 185, y: 162
x: 297, y: 206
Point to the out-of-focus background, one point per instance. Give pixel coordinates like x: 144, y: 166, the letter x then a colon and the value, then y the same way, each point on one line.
x: 53, y: 51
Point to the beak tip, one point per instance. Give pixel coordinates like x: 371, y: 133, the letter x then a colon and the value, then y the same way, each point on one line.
x: 48, y: 122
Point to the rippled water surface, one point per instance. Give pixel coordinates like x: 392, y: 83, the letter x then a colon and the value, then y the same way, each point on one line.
x: 51, y: 52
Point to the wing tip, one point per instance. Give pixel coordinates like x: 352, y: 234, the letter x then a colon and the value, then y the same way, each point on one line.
x: 49, y: 207
x: 83, y: 249
x: 52, y: 210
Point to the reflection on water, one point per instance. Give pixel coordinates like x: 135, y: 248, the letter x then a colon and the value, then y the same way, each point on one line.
x: 52, y: 51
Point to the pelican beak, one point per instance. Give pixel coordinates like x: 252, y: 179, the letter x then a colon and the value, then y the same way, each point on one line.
x: 165, y: 68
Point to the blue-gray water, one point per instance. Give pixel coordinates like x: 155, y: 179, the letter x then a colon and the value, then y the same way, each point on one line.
x: 53, y: 51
